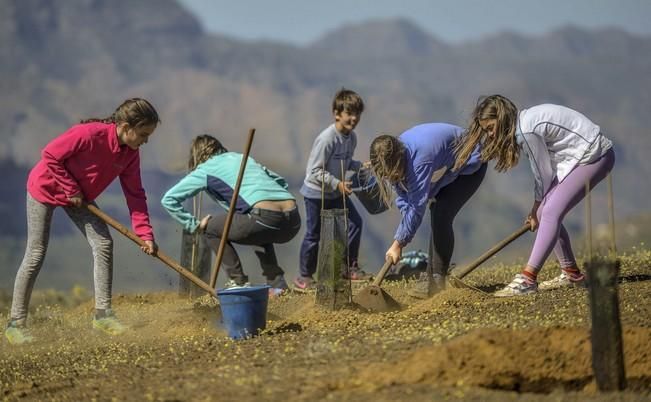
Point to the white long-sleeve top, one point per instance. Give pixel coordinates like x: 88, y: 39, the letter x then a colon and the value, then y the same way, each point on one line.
x: 556, y: 139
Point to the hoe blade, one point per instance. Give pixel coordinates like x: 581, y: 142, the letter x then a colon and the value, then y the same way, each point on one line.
x: 459, y: 284
x: 374, y: 299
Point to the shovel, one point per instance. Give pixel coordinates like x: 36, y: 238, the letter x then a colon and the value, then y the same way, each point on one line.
x: 456, y: 276
x: 158, y: 254
x: 373, y: 298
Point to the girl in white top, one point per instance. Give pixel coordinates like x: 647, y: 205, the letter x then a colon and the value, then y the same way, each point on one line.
x: 566, y: 150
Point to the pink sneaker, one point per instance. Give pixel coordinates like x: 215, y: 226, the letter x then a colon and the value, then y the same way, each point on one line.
x: 357, y: 274
x: 304, y: 284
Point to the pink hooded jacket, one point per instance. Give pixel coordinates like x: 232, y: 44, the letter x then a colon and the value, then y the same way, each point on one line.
x: 85, y: 160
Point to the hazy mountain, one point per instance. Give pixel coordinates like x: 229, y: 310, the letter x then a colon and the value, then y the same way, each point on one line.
x: 67, y: 60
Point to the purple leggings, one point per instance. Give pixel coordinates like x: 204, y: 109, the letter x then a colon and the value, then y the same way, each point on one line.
x: 560, y: 199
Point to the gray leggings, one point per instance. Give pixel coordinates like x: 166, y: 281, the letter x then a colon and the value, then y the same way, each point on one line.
x: 39, y: 219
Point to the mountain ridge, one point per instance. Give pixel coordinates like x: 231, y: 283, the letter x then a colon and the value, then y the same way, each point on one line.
x: 66, y: 61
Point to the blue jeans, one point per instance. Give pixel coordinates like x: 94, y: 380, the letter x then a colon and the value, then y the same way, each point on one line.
x: 310, y: 245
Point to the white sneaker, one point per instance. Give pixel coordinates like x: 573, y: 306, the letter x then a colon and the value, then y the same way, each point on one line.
x: 563, y: 280
x: 278, y: 286
x: 231, y: 284
x: 17, y: 334
x: 520, y: 286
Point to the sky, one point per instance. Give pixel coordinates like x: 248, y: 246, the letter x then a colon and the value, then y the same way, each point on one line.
x: 303, y: 21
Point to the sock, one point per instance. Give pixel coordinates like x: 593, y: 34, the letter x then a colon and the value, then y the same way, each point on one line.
x: 532, y: 276
x: 17, y: 323
x: 572, y: 272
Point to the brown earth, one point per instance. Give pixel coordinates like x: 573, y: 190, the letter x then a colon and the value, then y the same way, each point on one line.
x: 458, y: 345
x: 533, y: 360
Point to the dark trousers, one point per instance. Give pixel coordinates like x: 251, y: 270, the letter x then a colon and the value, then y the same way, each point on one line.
x: 449, y: 201
x: 260, y: 227
x: 310, y: 245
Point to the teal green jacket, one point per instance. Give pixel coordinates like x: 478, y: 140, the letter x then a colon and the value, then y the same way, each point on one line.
x: 217, y: 177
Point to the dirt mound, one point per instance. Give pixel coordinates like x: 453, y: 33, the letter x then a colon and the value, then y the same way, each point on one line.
x: 535, y: 360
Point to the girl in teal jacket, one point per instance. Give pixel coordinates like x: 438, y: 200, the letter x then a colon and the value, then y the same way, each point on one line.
x: 265, y: 212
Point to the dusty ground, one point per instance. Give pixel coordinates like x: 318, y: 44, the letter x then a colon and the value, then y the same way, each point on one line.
x: 458, y: 345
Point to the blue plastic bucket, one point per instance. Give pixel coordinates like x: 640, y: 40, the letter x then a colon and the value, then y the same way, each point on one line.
x: 244, y: 310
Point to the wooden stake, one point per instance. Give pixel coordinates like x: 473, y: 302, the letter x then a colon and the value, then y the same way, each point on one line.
x: 195, y: 254
x: 588, y: 221
x: 196, y: 210
x: 611, y: 215
x: 343, y: 196
x: 606, y: 331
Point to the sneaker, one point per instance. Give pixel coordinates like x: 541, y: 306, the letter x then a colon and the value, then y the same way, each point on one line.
x: 426, y: 286
x: 17, y: 334
x: 109, y: 324
x: 356, y: 274
x: 520, y: 286
x: 231, y: 284
x: 304, y: 284
x: 564, y: 280
x: 278, y: 286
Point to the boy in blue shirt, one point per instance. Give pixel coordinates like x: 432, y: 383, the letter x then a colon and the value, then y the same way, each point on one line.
x: 335, y: 144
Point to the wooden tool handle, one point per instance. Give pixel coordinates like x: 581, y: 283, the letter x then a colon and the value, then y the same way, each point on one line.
x: 488, y: 254
x: 383, y: 272
x: 158, y: 254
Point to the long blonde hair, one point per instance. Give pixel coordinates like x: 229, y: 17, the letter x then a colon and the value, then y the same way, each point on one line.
x: 203, y: 148
x: 388, y: 164
x: 501, y: 146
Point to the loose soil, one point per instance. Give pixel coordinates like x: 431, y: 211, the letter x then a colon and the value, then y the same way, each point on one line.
x: 458, y: 345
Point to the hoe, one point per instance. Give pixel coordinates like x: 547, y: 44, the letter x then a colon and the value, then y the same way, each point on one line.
x: 373, y: 298
x: 455, y: 277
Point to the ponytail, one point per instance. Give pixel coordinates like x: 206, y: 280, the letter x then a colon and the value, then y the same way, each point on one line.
x: 135, y: 112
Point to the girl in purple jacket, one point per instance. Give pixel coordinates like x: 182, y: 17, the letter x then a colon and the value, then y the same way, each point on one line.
x: 418, y: 166
x: 75, y: 168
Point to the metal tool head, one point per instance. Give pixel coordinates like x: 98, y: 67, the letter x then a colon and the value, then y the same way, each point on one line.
x: 374, y: 299
x: 455, y: 282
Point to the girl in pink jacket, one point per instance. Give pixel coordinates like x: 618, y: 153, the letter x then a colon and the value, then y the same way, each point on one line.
x: 75, y: 168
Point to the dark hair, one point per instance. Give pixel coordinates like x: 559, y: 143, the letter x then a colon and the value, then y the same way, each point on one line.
x: 203, y: 148
x: 388, y: 164
x: 135, y: 112
x: 347, y: 100
x: 503, y: 145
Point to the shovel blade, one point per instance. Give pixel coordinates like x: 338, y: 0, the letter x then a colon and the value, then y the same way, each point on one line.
x: 374, y: 299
